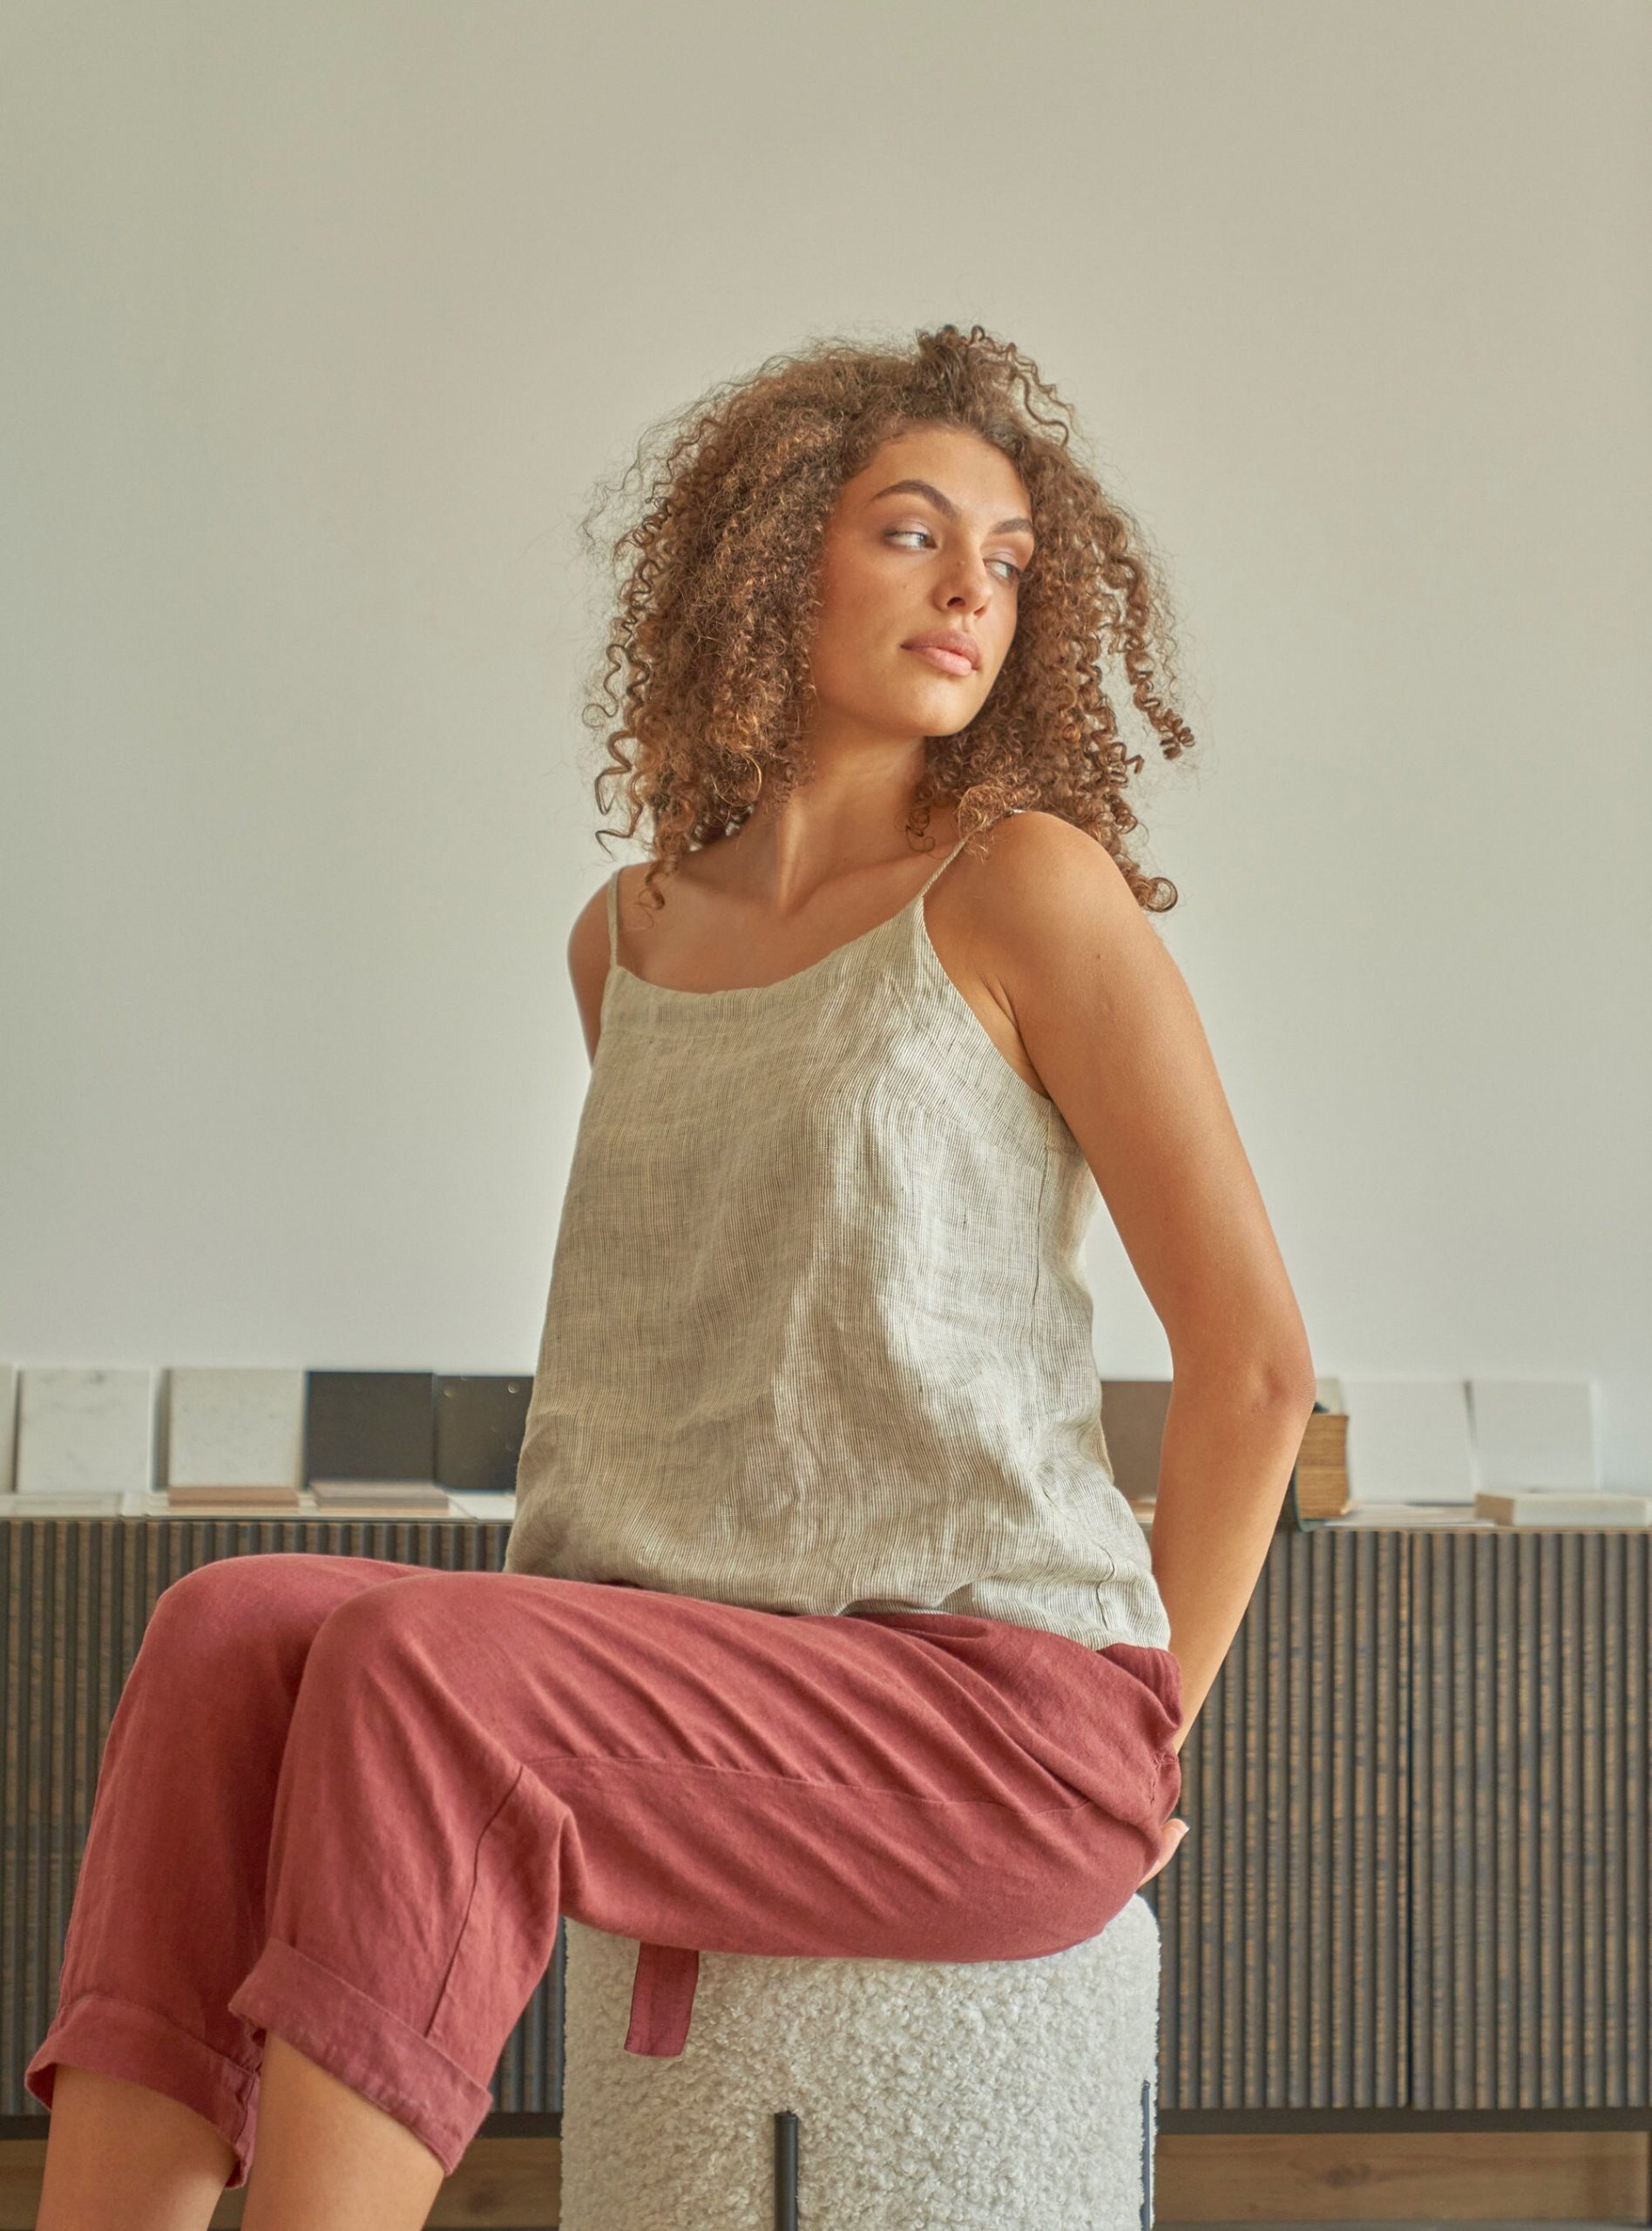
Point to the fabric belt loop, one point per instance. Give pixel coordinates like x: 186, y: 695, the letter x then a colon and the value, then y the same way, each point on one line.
x: 662, y: 1999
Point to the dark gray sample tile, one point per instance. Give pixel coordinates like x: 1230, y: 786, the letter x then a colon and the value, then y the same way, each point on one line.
x: 369, y: 1425
x: 479, y: 1424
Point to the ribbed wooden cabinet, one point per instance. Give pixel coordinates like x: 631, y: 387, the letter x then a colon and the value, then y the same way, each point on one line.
x: 1418, y: 1875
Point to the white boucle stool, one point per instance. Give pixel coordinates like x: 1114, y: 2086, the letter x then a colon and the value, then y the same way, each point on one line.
x: 999, y: 2095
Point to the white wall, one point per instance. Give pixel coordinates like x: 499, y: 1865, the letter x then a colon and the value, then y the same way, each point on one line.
x: 320, y: 320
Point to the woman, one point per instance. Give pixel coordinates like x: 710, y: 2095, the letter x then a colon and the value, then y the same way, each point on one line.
x: 823, y: 1629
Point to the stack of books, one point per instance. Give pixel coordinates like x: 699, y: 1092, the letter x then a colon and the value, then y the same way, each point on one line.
x: 1318, y: 1486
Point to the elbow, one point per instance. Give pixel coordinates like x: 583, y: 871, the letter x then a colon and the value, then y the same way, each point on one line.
x: 1294, y: 1386
x: 1273, y: 1376
x: 1285, y: 1379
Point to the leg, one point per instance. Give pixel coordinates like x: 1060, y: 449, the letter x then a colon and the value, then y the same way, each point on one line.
x: 119, y: 2152
x: 168, y: 1910
x: 473, y: 1753
x: 328, y: 2156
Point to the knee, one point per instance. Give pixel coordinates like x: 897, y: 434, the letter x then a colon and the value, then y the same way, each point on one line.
x: 394, y: 1621
x: 229, y: 1607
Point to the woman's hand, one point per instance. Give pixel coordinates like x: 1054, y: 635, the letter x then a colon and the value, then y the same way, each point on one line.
x: 1173, y: 1832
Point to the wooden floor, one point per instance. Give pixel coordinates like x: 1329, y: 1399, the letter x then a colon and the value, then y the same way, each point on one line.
x: 1502, y: 2180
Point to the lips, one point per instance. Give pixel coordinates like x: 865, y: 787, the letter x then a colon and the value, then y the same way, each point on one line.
x: 942, y: 659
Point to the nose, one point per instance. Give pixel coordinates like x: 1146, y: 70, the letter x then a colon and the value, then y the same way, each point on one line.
x: 971, y: 587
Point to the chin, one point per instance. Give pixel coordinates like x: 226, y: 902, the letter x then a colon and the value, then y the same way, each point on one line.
x: 946, y: 716
x: 944, y: 705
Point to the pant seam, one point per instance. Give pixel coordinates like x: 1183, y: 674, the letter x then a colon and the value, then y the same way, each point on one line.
x: 470, y: 1902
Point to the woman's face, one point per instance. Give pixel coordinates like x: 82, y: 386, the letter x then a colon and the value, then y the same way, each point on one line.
x: 932, y: 537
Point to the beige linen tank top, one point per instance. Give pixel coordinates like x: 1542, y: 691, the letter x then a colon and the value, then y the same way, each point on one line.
x: 818, y: 1336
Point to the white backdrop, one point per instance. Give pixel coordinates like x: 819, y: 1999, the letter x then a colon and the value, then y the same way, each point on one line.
x: 322, y: 321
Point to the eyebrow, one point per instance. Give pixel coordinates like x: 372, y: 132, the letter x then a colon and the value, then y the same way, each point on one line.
x: 944, y: 504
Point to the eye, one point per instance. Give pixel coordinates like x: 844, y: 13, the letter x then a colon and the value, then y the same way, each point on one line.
x: 1014, y: 573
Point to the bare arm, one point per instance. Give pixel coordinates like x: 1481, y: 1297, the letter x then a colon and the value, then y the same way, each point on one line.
x: 588, y: 964
x: 1110, y: 1027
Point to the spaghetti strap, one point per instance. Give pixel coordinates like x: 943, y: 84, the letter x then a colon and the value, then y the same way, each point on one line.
x: 944, y: 865
x: 614, y: 918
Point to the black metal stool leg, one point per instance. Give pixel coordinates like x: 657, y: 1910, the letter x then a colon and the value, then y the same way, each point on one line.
x: 785, y: 2171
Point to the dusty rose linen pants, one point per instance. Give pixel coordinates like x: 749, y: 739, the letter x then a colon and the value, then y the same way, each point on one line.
x: 345, y: 1800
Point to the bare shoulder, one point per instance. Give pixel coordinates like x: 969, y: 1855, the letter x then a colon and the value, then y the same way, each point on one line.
x: 1038, y: 853
x: 1009, y: 915
x: 1034, y: 891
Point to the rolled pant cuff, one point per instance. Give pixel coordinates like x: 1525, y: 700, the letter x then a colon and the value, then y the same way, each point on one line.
x: 118, y: 2036
x: 355, y: 2039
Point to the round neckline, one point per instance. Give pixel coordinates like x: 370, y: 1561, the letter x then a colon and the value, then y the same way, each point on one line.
x: 749, y: 991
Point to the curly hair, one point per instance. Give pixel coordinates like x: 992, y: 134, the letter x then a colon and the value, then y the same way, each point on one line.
x: 705, y: 664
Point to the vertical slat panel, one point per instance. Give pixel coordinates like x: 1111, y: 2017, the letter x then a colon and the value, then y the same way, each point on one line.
x: 14, y: 1637
x: 1278, y: 1612
x: 1550, y: 1641
x: 1442, y: 1741
x: 1604, y: 1929
x: 1506, y: 1901
x: 1338, y: 1851
x: 1300, y: 1802
x: 1204, y: 1938
x: 1529, y: 1970
x: 1249, y: 2024
x: 1569, y: 2075
x: 1464, y: 1764
x: 1398, y: 1625
x: 1601, y: 2074
x: 1524, y: 1958
x: 1632, y: 1757
x: 1376, y: 2076
x: 1284, y: 1924
x: 1314, y: 1820
x: 1355, y: 1736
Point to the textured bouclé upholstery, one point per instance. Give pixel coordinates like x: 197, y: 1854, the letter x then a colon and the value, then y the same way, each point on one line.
x: 1013, y: 2095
